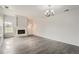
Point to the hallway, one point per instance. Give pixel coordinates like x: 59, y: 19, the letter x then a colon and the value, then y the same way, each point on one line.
x: 36, y: 45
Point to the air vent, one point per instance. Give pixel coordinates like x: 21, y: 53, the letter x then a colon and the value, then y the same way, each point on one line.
x: 6, y: 7
x: 66, y: 10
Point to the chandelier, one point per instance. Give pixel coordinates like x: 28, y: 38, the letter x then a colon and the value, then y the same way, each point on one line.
x: 49, y: 12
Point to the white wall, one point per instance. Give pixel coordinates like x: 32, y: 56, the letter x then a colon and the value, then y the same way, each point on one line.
x: 63, y: 27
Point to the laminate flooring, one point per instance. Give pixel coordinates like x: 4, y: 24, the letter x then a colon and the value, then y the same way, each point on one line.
x: 36, y: 45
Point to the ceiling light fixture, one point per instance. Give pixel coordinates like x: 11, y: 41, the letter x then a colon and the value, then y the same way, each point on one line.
x: 49, y: 12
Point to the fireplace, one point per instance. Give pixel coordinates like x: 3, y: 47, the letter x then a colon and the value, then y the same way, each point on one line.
x: 21, y: 31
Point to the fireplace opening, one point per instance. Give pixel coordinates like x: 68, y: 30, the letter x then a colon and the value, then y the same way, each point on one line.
x: 21, y: 31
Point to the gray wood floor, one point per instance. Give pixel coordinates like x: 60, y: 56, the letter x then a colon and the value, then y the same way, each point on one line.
x: 36, y: 45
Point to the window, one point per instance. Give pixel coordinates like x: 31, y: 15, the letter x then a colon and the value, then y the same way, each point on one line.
x: 8, y: 27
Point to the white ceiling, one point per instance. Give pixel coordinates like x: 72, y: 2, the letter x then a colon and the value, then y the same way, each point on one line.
x: 37, y: 10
